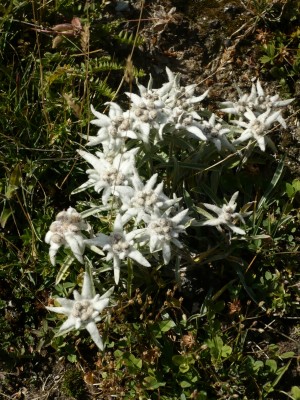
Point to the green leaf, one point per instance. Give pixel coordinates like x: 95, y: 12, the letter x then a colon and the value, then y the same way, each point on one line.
x: 72, y: 358
x: 179, y: 359
x: 268, y: 276
x: 118, y: 353
x: 257, y: 365
x: 280, y: 372
x: 272, y: 364
x: 165, y: 326
x: 226, y: 351
x: 64, y: 269
x: 185, y: 384
x: 290, y: 191
x: 295, y: 392
x: 183, y: 368
x: 133, y: 363
x: 288, y: 354
x: 6, y: 213
x: 296, y: 185
x: 265, y: 59
x: 276, y: 177
x: 14, y: 181
x: 151, y: 383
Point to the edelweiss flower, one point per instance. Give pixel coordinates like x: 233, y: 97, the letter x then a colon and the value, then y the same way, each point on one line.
x: 226, y: 215
x: 215, y: 132
x: 265, y: 102
x: 187, y: 122
x: 111, y: 175
x: 119, y: 245
x: 114, y: 128
x: 257, y: 128
x: 183, y: 97
x: 258, y: 102
x: 143, y: 199
x: 147, y: 111
x: 66, y: 231
x: 155, y: 108
x: 240, y: 106
x: 84, y: 311
x: 163, y: 230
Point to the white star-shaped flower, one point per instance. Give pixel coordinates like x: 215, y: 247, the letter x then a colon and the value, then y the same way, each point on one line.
x: 162, y: 231
x: 258, y: 102
x: 265, y: 102
x: 144, y: 199
x: 240, y: 106
x: 257, y: 128
x: 66, y: 231
x: 111, y: 174
x: 226, y: 216
x: 119, y: 245
x: 148, y: 113
x: 188, y: 122
x: 215, y: 132
x: 114, y: 128
x: 84, y: 311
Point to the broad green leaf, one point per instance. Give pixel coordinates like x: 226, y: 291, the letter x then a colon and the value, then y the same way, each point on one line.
x: 226, y: 351
x: 6, y: 213
x: 257, y: 365
x: 132, y: 362
x: 118, y: 353
x: 151, y: 383
x: 290, y: 190
x: 178, y: 359
x: 185, y: 384
x: 288, y: 354
x: 165, y: 326
x: 72, y: 358
x: 272, y: 364
x: 265, y: 59
x: 183, y: 360
x: 295, y: 392
x: 183, y: 368
x: 296, y: 185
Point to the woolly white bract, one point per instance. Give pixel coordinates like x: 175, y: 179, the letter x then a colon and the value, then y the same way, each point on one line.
x: 226, y: 216
x: 66, y: 231
x: 119, y: 245
x: 84, y: 311
x: 111, y: 174
x: 162, y: 231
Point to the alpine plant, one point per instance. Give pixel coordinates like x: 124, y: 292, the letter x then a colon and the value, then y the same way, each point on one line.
x: 147, y: 224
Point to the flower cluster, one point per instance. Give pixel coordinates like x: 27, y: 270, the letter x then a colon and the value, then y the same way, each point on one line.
x: 257, y: 112
x: 147, y: 221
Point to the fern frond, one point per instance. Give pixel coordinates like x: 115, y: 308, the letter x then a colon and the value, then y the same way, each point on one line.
x: 127, y: 38
x: 103, y: 89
